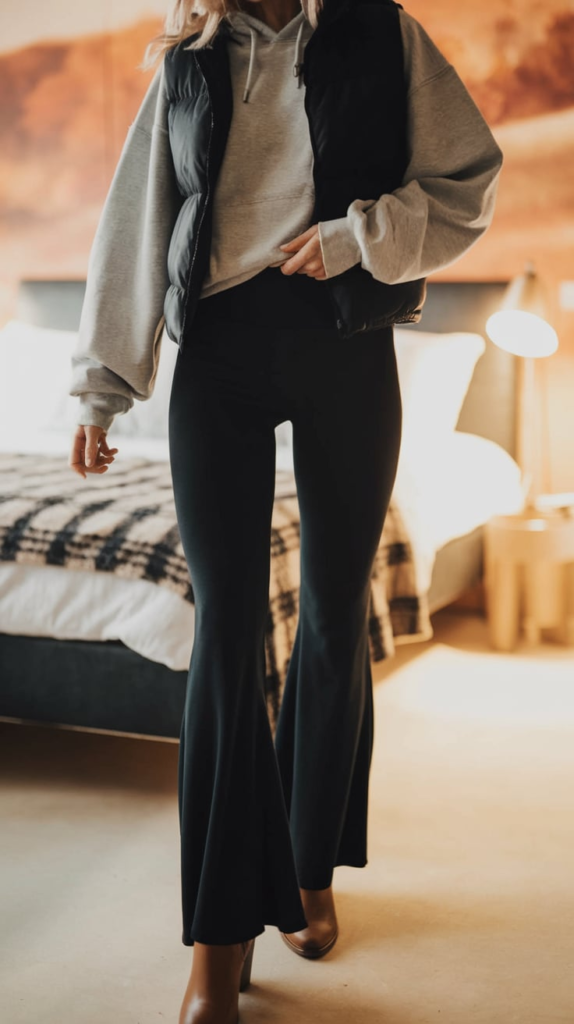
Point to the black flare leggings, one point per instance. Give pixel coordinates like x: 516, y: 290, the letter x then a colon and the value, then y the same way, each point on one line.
x: 262, y: 816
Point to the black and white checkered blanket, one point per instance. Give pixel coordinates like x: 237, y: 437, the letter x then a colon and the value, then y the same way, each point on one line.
x: 126, y: 524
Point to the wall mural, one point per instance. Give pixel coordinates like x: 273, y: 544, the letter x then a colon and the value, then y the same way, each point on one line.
x: 515, y: 58
x: 70, y: 74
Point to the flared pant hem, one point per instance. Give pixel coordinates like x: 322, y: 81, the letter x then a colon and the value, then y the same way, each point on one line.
x: 292, y: 926
x: 324, y: 881
x: 295, y: 925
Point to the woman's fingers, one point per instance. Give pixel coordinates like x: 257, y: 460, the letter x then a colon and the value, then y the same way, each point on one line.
x: 309, y: 258
x: 306, y: 255
x: 314, y: 267
x: 77, y: 455
x: 104, y: 446
x: 93, y: 435
x: 90, y: 451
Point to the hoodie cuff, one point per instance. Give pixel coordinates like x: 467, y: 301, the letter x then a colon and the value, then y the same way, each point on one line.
x: 339, y: 246
x: 99, y: 410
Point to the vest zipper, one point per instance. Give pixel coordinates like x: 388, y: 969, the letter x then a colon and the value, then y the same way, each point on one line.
x: 203, y: 209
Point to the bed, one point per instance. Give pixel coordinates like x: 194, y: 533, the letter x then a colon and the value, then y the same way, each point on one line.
x: 82, y: 649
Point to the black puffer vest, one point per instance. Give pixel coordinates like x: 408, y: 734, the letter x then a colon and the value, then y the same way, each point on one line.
x: 356, y: 104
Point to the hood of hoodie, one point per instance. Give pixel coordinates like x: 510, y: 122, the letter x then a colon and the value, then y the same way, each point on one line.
x: 247, y: 30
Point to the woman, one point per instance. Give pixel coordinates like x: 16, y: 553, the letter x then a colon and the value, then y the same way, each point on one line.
x: 292, y: 176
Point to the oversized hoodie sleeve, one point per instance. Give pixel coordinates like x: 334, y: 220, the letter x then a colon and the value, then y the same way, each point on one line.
x: 116, y: 356
x: 447, y: 196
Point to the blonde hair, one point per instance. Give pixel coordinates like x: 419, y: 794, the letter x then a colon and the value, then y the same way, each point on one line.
x: 184, y: 18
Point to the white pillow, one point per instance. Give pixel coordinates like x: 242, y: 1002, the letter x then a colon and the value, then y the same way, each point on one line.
x: 34, y: 371
x: 435, y: 371
x: 35, y: 375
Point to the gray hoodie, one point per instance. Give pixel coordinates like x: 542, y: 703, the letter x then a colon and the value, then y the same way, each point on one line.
x: 264, y: 197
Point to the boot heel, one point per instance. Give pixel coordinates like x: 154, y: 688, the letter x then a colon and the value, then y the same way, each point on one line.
x: 246, y: 969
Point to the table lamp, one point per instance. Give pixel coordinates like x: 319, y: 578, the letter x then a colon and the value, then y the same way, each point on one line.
x: 521, y: 326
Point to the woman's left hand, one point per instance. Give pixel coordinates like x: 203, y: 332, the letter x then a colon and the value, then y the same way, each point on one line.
x: 307, y: 258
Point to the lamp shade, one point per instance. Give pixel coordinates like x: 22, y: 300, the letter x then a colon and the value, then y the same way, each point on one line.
x: 521, y: 324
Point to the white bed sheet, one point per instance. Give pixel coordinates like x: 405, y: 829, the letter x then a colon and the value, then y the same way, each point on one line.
x: 440, y: 498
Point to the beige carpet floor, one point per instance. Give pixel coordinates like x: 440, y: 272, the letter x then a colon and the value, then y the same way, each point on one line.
x: 464, y: 914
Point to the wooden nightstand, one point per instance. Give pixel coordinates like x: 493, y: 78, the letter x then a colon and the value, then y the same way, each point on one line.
x: 529, y: 577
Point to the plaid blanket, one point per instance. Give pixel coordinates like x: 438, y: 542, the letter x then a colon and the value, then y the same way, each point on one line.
x: 126, y: 524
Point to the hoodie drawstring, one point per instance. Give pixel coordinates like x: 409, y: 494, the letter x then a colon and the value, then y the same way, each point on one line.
x: 297, y: 66
x: 251, y: 62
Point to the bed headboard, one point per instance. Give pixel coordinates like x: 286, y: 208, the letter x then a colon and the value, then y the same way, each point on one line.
x: 490, y: 405
x: 56, y: 304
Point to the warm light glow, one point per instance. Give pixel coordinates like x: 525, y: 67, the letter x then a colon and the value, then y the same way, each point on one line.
x: 523, y: 334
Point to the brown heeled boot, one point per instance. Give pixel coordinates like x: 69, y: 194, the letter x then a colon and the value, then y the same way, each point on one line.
x: 218, y: 975
x: 321, y: 934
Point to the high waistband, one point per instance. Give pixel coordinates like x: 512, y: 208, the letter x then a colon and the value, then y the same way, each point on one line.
x: 272, y: 299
